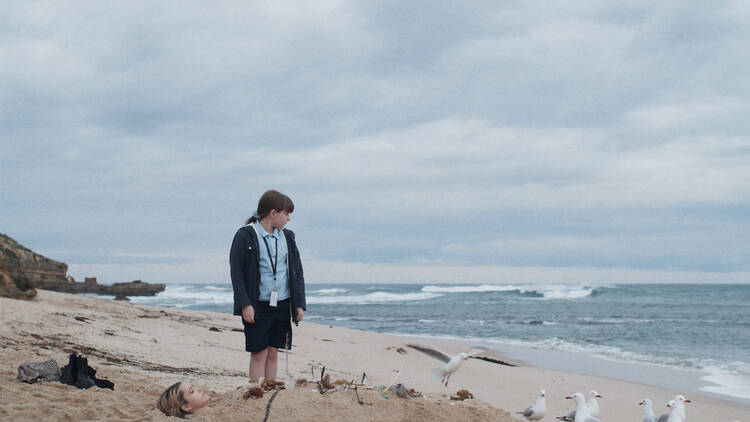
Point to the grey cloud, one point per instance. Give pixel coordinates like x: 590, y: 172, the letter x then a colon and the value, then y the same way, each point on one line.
x: 406, y: 133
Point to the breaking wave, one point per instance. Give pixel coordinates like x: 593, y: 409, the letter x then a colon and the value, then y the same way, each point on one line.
x: 526, y: 290
x: 329, y: 291
x: 185, y: 296
x: 374, y: 297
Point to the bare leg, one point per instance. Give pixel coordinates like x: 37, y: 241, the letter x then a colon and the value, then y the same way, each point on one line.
x: 258, y: 364
x: 272, y: 362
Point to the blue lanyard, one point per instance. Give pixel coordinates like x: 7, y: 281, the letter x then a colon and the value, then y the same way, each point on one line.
x: 276, y: 253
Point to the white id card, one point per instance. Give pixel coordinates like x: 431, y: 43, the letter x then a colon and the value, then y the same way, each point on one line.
x: 274, y: 298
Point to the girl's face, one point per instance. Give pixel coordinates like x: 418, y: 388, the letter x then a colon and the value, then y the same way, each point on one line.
x: 195, y: 398
x: 279, y: 219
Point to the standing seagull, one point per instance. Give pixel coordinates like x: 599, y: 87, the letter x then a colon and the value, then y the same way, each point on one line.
x: 648, y: 411
x: 452, y: 363
x: 591, y: 403
x: 674, y: 414
x: 679, y: 407
x: 582, y: 409
x: 537, y: 411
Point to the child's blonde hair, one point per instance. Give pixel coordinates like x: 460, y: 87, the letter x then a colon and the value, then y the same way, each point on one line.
x: 171, y: 402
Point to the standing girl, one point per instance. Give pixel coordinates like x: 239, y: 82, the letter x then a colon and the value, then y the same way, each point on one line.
x: 269, y: 287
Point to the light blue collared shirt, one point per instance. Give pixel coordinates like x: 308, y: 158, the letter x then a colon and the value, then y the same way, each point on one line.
x: 267, y: 283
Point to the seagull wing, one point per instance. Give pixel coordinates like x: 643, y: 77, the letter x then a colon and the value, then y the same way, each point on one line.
x: 526, y: 413
x: 571, y: 416
x: 435, y: 353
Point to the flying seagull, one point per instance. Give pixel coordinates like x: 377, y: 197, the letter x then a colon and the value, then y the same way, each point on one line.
x: 538, y: 410
x: 452, y: 363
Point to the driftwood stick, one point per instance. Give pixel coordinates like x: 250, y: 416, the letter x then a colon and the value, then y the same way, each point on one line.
x: 268, y: 405
x: 286, y: 357
x: 337, y: 388
x: 359, y: 400
x: 320, y: 382
x: 289, y: 377
x: 400, y: 369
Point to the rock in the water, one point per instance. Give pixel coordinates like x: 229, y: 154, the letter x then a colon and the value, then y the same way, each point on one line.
x: 131, y: 288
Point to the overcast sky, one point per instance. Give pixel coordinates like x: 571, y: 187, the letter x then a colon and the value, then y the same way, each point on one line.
x: 511, y: 142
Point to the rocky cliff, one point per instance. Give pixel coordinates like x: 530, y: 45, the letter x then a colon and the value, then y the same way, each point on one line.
x: 21, y: 270
x: 23, y: 263
x: 15, y: 287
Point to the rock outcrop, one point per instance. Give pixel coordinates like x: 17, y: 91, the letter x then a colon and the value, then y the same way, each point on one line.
x: 24, y: 265
x: 90, y: 285
x: 21, y: 270
x: 15, y: 288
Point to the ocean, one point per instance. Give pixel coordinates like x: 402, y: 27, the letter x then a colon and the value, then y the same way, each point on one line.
x: 691, y: 338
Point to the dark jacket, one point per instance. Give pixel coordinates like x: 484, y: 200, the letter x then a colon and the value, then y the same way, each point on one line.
x: 244, y: 265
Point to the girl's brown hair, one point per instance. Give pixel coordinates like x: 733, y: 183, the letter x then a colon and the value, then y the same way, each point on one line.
x: 272, y: 200
x: 171, y: 402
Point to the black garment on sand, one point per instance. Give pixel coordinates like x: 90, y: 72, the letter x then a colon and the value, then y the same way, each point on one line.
x: 78, y: 372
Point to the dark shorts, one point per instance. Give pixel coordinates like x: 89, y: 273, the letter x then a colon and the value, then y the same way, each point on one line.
x: 271, y: 328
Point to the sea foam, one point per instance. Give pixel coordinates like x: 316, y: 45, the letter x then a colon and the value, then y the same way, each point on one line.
x: 731, y: 380
x: 328, y: 291
x: 185, y: 296
x: 557, y: 291
x: 374, y: 297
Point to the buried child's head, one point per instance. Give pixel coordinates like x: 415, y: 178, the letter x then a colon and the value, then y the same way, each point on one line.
x: 182, y: 399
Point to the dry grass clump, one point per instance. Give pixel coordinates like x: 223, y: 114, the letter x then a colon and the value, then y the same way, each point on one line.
x: 326, y: 383
x: 399, y: 350
x: 254, y: 392
x: 461, y: 395
x: 269, y: 385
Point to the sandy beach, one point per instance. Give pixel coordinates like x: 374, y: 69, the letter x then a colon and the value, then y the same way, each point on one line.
x: 144, y: 349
